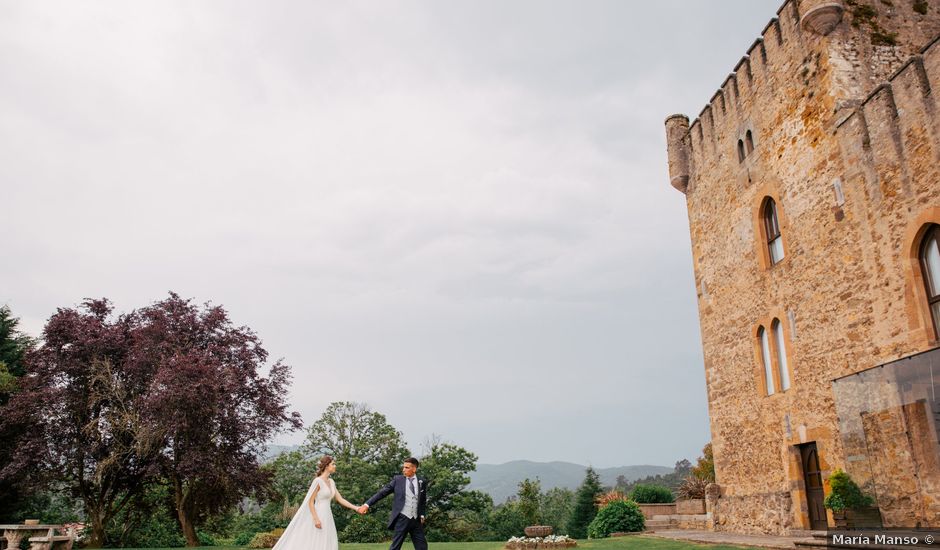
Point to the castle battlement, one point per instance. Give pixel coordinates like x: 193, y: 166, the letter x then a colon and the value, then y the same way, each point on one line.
x: 813, y: 51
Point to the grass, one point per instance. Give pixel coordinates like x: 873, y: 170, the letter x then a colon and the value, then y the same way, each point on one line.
x: 634, y: 542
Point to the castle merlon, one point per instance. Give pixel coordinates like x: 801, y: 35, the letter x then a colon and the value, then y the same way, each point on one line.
x: 882, y: 99
x: 798, y: 28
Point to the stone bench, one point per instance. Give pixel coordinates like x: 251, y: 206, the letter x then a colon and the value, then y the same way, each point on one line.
x: 52, y: 541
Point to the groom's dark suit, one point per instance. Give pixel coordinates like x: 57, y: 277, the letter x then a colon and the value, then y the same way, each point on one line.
x: 398, y: 521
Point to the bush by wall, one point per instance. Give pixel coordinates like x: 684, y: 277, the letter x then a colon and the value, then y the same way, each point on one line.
x: 651, y: 494
x: 846, y: 494
x: 618, y: 516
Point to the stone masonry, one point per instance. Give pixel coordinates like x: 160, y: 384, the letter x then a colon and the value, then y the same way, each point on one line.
x: 835, y: 109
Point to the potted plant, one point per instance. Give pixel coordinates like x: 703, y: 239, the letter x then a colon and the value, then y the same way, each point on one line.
x: 851, y: 508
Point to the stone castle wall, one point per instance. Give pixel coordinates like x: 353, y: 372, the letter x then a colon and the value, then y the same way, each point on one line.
x: 847, y: 142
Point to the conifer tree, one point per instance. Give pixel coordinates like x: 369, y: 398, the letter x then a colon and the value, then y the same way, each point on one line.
x: 14, y: 345
x: 585, y: 508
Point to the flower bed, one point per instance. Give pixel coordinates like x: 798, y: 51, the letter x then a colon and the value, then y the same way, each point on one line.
x: 531, y: 543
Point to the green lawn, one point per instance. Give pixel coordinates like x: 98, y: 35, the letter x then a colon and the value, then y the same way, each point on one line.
x: 632, y: 542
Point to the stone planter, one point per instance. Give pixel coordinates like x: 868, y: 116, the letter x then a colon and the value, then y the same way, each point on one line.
x: 549, y: 542
x: 865, y: 518
x: 539, y: 531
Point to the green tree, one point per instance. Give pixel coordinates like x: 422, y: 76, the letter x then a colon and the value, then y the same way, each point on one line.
x: 291, y: 475
x: 530, y: 493
x: 556, y: 506
x: 368, y: 452
x: 585, y: 508
x: 671, y: 481
x: 506, y: 521
x: 14, y: 345
x: 468, y: 521
x: 705, y: 467
x: 452, y: 510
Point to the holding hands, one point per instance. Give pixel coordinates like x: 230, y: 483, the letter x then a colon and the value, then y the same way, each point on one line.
x: 363, y: 509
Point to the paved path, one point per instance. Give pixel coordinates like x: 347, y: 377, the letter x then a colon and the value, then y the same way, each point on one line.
x: 712, y: 537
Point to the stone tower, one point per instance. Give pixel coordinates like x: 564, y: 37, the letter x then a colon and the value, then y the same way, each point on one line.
x: 812, y: 181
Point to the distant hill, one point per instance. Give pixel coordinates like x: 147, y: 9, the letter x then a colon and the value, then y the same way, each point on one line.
x: 273, y: 451
x: 501, y: 481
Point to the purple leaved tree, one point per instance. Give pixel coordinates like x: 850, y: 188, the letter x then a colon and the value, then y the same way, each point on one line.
x: 212, y: 404
x: 78, y: 412
x: 171, y: 393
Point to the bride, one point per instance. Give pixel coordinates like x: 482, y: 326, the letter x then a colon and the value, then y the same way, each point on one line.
x: 312, y: 527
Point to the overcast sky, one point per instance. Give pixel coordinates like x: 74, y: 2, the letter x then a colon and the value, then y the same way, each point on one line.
x: 456, y: 212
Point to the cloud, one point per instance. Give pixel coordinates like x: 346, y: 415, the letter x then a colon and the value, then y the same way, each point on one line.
x: 467, y: 199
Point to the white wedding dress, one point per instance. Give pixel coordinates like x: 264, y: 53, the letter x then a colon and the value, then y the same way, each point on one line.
x: 302, y: 533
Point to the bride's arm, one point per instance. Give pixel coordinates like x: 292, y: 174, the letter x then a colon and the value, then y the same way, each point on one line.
x: 311, y: 504
x: 343, y: 501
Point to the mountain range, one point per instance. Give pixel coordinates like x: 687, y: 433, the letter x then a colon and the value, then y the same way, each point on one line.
x: 501, y: 481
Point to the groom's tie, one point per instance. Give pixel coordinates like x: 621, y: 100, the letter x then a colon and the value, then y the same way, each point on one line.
x: 411, y: 485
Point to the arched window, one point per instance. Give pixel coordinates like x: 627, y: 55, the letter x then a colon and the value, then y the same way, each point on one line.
x: 740, y: 150
x: 749, y: 142
x: 777, y: 329
x: 930, y: 264
x: 765, y: 358
x: 772, y: 231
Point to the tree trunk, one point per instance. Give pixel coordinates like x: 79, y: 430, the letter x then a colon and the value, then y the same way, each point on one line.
x: 184, y: 513
x: 98, y: 522
x: 189, y: 530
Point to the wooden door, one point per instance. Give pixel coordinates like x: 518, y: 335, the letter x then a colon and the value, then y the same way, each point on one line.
x: 812, y: 478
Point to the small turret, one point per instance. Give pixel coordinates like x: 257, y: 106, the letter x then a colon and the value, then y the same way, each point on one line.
x: 821, y: 16
x: 677, y: 145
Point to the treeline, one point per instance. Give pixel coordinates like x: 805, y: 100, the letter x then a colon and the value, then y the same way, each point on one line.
x: 149, y: 427
x: 368, y: 451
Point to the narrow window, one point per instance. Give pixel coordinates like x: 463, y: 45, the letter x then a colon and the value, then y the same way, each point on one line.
x: 749, y: 141
x: 740, y: 150
x: 930, y: 263
x: 772, y: 231
x: 765, y: 357
x: 777, y: 328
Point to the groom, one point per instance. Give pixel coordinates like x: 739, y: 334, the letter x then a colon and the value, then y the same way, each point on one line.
x: 408, y: 507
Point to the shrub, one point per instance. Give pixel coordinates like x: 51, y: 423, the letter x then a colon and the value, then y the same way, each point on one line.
x: 846, y: 494
x: 266, y: 540
x: 205, y: 539
x: 651, y: 494
x: 692, y: 487
x: 618, y: 516
x: 367, y: 528
x: 243, y: 538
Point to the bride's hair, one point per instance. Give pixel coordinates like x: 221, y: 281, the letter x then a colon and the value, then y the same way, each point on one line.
x: 324, y: 463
